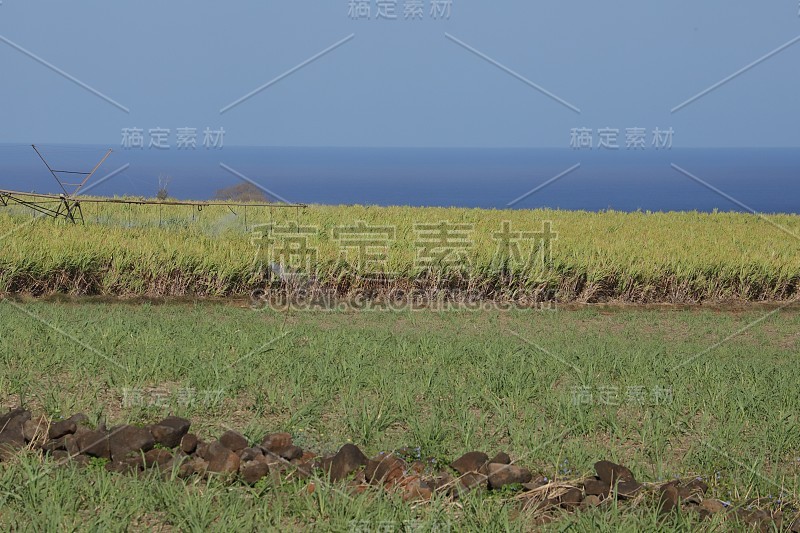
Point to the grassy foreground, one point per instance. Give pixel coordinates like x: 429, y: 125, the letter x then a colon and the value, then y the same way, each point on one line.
x: 635, y: 257
x: 665, y: 393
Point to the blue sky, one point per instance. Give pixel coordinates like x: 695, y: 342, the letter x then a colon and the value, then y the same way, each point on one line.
x: 399, y: 82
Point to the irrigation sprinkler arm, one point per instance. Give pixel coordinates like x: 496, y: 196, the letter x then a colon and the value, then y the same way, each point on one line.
x: 92, y: 172
x: 50, y: 169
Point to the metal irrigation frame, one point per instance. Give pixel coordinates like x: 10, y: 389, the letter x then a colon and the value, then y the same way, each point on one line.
x: 69, y: 205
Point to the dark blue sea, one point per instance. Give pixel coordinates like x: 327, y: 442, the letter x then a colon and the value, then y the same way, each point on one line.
x: 731, y: 179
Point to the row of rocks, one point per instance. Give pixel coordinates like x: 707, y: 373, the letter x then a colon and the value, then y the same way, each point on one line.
x: 170, y: 447
x: 616, y: 482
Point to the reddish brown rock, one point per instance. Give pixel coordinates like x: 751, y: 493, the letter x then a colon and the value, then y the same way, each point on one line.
x: 612, y: 473
x: 596, y: 487
x: 442, y: 482
x: 290, y: 453
x: 501, y: 475
x: 755, y: 518
x: 416, y: 490
x: 159, y: 458
x: 253, y: 471
x: 128, y: 466
x: 470, y: 462
x: 698, y: 485
x: 534, y: 484
x: 669, y: 501
x: 571, y: 499
x: 129, y: 440
x: 234, y: 441
x: 60, y: 456
x: 418, y: 467
x: 52, y: 446
x: 71, y: 443
x: 384, y: 469
x: 308, y: 456
x: 250, y: 454
x: 34, y: 430
x: 221, y: 460
x: 276, y: 441
x: 59, y: 429
x: 198, y: 465
x: 303, y: 469
x: 628, y: 489
x: 186, y: 469
x: 189, y: 443
x: 346, y: 461
x: 377, y: 466
x: 170, y: 431
x: 590, y: 501
x: 471, y: 481
x: 92, y: 443
x: 12, y: 428
x: 711, y: 507
x: 192, y: 466
x: 501, y: 458
x: 693, y: 491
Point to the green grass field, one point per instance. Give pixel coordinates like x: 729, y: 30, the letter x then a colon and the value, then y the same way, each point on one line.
x: 666, y: 392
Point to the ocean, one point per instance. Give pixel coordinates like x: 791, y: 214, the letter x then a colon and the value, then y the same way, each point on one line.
x: 766, y: 180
